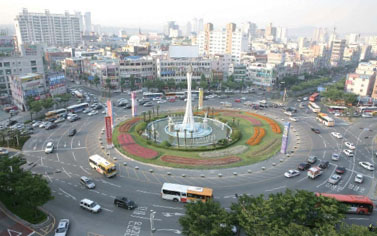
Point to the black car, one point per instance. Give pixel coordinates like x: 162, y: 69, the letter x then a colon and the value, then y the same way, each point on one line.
x: 75, y: 118
x: 316, y: 131
x: 127, y: 106
x: 124, y: 203
x: 51, y: 126
x: 340, y: 170
x: 324, y: 164
x: 72, y: 132
x: 303, y: 166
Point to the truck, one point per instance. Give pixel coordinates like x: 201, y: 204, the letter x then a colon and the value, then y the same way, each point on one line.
x: 314, y: 172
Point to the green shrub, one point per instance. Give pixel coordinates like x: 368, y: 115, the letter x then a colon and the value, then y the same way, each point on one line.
x: 165, y: 144
x: 236, y: 134
x: 140, y: 127
x: 222, y: 142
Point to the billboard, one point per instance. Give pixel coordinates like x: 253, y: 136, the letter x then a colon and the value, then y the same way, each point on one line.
x: 133, y: 97
x: 284, y: 143
x: 110, y: 112
x: 200, y: 100
x: 109, y: 130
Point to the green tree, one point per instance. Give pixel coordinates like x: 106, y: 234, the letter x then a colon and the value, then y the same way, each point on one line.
x: 260, y: 216
x: 205, y: 219
x: 35, y: 107
x: 171, y: 84
x: 96, y: 80
x: 108, y: 86
x: 122, y: 83
x: 132, y: 82
x: 157, y: 108
x: 149, y: 84
x: 354, y: 230
x: 47, y: 103
x: 194, y: 84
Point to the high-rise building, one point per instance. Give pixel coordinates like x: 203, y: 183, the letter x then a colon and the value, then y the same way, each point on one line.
x: 281, y: 34
x: 87, y: 23
x: 51, y: 29
x: 337, y: 52
x: 270, y: 32
x: 188, y: 29
x: 226, y: 41
x: 169, y: 27
x: 200, y: 25
x: 249, y: 28
x: 320, y: 35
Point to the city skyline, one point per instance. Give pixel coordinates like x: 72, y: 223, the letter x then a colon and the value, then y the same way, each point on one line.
x: 346, y: 16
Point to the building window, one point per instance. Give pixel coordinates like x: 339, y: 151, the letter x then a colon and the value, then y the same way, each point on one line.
x: 34, y: 69
x: 6, y: 64
x: 8, y: 71
x: 1, y: 64
x: 33, y: 63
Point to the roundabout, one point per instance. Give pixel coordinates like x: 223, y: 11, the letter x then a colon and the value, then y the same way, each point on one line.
x: 140, y: 179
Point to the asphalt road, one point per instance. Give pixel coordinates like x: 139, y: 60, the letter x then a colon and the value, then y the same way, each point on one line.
x: 69, y: 161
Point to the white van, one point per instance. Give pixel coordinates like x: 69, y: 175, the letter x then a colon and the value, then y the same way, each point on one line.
x: 90, y: 205
x: 314, y: 172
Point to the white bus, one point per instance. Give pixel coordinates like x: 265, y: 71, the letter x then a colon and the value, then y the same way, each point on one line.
x: 314, y: 107
x: 78, y: 107
x: 102, y: 166
x: 325, y: 119
x: 185, y: 193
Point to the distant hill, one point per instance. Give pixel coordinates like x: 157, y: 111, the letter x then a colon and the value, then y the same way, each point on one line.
x: 305, y: 31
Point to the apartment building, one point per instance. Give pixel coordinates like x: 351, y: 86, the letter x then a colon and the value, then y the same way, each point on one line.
x: 139, y: 68
x: 50, y: 29
x: 360, y: 84
x: 262, y: 74
x: 337, y: 52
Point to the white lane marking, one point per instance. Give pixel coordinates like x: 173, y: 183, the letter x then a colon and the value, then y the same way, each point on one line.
x: 358, y: 218
x: 35, y: 147
x: 176, y: 231
x: 61, y: 149
x: 177, y: 208
x: 94, y: 191
x: 66, y: 172
x: 74, y: 157
x: 57, y: 156
x: 273, y: 189
x: 107, y: 209
x: 79, y: 143
x: 230, y: 196
x: 49, y: 178
x: 42, y: 161
x: 69, y: 195
x: 115, y: 185
x: 141, y: 191
x: 302, y: 179
x: 85, y: 170
x: 65, y: 144
x: 145, y: 218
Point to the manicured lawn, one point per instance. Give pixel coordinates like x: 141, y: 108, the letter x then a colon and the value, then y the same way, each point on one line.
x: 269, y: 145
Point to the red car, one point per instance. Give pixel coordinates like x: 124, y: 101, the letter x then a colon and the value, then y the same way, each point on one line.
x: 171, y: 100
x: 237, y: 100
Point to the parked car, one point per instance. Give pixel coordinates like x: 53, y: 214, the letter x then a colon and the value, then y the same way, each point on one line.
x: 366, y: 165
x: 49, y: 147
x: 336, y: 135
x: 312, y: 159
x: 335, y: 157
x: 87, y: 182
x: 291, y: 173
x: 359, y: 178
x: 334, y: 179
x: 303, y: 166
x: 3, y: 151
x: 123, y: 202
x: 72, y: 132
x: 316, y: 131
x: 350, y: 145
x: 62, y: 228
x: 340, y: 170
x: 323, y: 164
x: 90, y: 205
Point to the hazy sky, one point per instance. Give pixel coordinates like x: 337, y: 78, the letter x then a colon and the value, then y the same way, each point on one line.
x: 347, y: 15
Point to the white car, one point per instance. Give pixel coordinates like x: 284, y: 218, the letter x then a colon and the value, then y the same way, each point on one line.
x: 92, y: 113
x: 59, y: 120
x: 334, y: 179
x: 87, y: 110
x: 305, y: 99
x: 43, y: 124
x: 359, y: 178
x: 335, y: 157
x: 336, y: 135
x: 366, y: 165
x: 288, y: 113
x: 348, y: 152
x: 161, y: 101
x: 90, y: 205
x: 36, y: 124
x: 62, y: 228
x: 291, y: 173
x: 293, y: 119
x: 349, y: 145
x: 49, y: 147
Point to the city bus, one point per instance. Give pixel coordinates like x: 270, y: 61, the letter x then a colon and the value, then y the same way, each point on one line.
x: 184, y: 193
x: 325, y: 119
x: 357, y: 204
x: 364, y: 109
x: 152, y: 95
x: 337, y: 109
x: 56, y: 113
x: 102, y: 166
x: 78, y: 107
x: 175, y: 95
x: 314, y: 97
x: 314, y: 107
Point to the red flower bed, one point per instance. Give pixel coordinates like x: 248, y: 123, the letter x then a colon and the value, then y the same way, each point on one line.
x: 253, y: 121
x: 200, y: 162
x: 128, y: 144
x: 127, y: 126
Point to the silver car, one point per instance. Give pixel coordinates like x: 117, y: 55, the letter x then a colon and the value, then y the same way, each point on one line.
x: 62, y: 228
x: 334, y: 179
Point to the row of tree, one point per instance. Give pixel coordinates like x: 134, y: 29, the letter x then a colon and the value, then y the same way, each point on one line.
x: 20, y: 189
x: 291, y: 213
x: 336, y: 93
x: 312, y: 83
x: 35, y: 106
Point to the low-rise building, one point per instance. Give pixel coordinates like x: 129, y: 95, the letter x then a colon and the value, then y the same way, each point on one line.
x: 30, y: 85
x: 239, y: 72
x: 139, y: 68
x: 360, y: 84
x: 262, y: 74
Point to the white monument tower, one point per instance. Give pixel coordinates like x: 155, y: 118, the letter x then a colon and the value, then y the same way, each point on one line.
x: 188, y: 120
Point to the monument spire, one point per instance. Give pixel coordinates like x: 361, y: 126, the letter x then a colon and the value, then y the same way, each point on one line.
x: 188, y: 119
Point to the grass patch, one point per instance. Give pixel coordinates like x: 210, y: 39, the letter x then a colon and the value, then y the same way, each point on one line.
x: 268, y: 147
x: 31, y: 215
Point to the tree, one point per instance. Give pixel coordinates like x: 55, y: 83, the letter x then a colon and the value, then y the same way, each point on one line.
x: 149, y: 84
x: 157, y: 108
x: 260, y: 216
x: 194, y: 84
x: 144, y: 114
x: 205, y: 219
x: 132, y: 82
x: 35, y: 107
x: 122, y: 83
x: 96, y: 80
x: 108, y: 85
x: 47, y: 103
